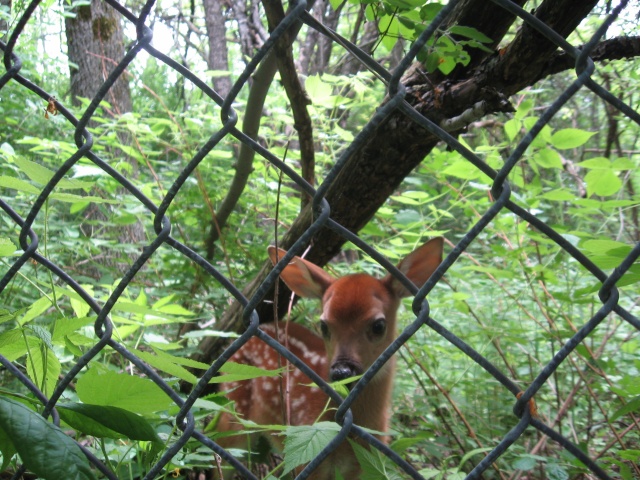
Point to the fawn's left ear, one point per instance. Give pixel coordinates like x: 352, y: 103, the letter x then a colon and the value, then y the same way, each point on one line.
x: 303, y: 278
x: 418, y: 266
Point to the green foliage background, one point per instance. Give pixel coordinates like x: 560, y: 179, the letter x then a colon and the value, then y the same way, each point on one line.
x: 514, y: 295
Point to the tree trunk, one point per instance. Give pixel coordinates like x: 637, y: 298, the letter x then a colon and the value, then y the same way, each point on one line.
x: 218, y: 58
x: 96, y: 44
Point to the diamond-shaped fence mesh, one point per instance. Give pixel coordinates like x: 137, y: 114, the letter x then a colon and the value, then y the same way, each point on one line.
x: 396, y: 102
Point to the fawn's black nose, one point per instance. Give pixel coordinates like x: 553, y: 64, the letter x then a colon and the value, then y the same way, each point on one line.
x: 343, y: 369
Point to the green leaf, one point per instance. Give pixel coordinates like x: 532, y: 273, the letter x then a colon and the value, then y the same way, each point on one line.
x: 43, y: 368
x: 320, y: 92
x: 7, y: 247
x: 602, y: 182
x: 72, y: 198
x: 302, y: 443
x: 596, y: 162
x: 512, y: 128
x: 136, y: 394
x: 43, y: 447
x: 36, y: 309
x: 105, y: 421
x: 556, y: 472
x: 17, y: 184
x: 632, y: 406
x: 375, y: 466
x: 165, y: 363
x: 470, y: 32
x: 66, y: 326
x: 605, y: 246
x: 13, y: 345
x: 239, y: 371
x: 42, y: 175
x: 430, y: 10
x: 548, y: 158
x: 560, y: 195
x: 525, y: 463
x: 570, y: 138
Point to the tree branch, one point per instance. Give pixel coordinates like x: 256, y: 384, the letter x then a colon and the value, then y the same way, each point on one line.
x: 296, y: 93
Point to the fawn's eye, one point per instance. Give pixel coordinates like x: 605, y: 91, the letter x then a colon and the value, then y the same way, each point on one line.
x: 378, y: 327
x: 324, y: 329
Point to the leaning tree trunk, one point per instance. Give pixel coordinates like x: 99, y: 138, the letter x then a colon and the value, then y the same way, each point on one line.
x: 95, y: 43
x: 375, y: 170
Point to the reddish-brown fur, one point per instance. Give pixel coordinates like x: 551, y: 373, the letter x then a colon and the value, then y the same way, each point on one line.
x: 354, y: 308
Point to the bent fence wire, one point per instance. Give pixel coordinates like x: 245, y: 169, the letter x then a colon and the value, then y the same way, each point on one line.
x: 29, y: 237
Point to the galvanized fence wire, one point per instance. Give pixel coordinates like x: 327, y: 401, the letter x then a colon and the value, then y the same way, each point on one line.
x: 501, y: 191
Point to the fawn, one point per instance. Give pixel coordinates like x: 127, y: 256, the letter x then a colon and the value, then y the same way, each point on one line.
x: 358, y: 323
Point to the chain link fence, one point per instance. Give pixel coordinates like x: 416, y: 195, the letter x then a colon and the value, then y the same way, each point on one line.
x: 524, y: 408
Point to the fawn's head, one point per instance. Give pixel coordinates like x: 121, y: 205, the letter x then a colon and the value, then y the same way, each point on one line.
x: 358, y: 318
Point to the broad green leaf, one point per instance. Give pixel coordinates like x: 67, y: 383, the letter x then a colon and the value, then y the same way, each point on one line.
x: 375, y: 466
x: 605, y: 246
x: 105, y: 421
x: 14, y: 346
x: 44, y: 449
x: 43, y: 368
x: 548, y: 158
x: 41, y: 175
x: 164, y: 363
x: 406, y: 4
x: 36, y: 309
x: 66, y: 326
x: 430, y: 10
x: 560, y: 195
x: 389, y: 27
x: 570, y: 138
x: 7, y: 248
x: 632, y: 406
x: 72, y: 198
x: 620, y: 164
x: 512, y: 128
x: 239, y: 371
x: 446, y: 64
x: 184, y: 361
x: 556, y: 471
x: 462, y: 169
x: 428, y: 473
x: 304, y: 442
x: 596, y: 162
x: 7, y: 449
x: 602, y: 182
x: 470, y: 32
x: 14, y: 183
x: 525, y: 463
x: 136, y: 394
x: 473, y: 452
x: 319, y: 91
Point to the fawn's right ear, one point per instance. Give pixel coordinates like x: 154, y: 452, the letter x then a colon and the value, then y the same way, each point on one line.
x: 303, y: 278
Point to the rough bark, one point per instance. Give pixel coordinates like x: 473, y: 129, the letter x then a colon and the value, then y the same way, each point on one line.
x: 95, y: 45
x: 398, y: 145
x: 218, y: 58
x: 251, y: 33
